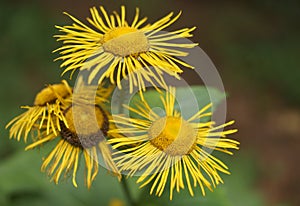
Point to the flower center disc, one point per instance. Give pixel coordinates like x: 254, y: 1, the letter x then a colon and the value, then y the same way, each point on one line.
x: 50, y: 94
x: 125, y: 41
x: 173, y: 135
x: 87, y: 125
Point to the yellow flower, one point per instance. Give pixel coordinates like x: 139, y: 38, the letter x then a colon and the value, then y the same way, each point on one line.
x: 84, y: 131
x: 118, y: 49
x: 171, y: 149
x: 47, y: 110
x: 116, y: 202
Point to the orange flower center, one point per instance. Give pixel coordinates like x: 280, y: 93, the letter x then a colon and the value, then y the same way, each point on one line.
x: 125, y: 41
x: 173, y: 135
x: 50, y: 94
x: 87, y: 125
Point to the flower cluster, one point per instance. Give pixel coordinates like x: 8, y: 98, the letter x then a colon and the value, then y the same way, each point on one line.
x: 164, y: 149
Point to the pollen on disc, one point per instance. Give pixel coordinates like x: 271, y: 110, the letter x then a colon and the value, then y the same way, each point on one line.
x: 124, y: 42
x: 50, y: 93
x: 173, y: 135
x: 85, y: 119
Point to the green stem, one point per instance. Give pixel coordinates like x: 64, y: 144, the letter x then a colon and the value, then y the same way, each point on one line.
x: 126, y: 190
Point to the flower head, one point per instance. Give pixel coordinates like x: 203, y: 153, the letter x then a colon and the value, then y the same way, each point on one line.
x: 83, y: 131
x: 170, y: 148
x: 46, y: 111
x: 117, y: 49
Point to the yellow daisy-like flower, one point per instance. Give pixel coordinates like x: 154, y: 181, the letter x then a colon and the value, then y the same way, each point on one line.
x: 118, y: 49
x: 84, y: 131
x: 47, y: 110
x: 170, y: 149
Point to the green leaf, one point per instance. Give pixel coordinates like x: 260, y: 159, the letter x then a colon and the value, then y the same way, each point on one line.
x: 240, y: 185
x: 22, y: 183
x: 189, y: 100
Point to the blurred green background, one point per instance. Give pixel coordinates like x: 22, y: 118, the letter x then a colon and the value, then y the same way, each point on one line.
x: 255, y: 45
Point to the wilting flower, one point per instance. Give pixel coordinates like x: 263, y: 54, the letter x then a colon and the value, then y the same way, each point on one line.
x: 117, y: 49
x: 46, y: 112
x: 171, y: 149
x: 83, y: 131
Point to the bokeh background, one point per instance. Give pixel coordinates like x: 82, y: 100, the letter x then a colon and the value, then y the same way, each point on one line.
x: 255, y: 45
